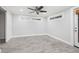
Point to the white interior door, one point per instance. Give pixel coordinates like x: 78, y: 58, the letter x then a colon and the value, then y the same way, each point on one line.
x: 76, y: 30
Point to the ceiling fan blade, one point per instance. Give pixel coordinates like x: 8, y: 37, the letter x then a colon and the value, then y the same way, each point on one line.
x: 37, y: 12
x: 31, y: 9
x: 43, y: 11
x: 40, y: 7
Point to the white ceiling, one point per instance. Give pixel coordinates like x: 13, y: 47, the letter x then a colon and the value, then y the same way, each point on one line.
x: 22, y: 10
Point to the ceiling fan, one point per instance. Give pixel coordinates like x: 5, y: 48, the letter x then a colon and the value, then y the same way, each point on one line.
x: 37, y: 10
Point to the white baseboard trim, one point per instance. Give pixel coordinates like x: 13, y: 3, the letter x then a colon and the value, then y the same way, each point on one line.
x: 60, y: 39
x: 42, y: 34
x: 7, y: 39
x: 27, y: 35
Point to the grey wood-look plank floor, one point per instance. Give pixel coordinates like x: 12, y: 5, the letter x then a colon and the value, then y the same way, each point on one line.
x: 37, y: 44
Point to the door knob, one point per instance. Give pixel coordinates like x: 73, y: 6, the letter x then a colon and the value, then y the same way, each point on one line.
x: 75, y: 30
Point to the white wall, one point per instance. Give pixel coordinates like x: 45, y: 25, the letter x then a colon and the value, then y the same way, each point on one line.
x: 2, y: 25
x: 61, y: 28
x: 25, y: 26
x: 8, y: 25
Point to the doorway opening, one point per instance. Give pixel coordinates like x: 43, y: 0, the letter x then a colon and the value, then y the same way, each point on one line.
x: 2, y: 25
x: 76, y: 26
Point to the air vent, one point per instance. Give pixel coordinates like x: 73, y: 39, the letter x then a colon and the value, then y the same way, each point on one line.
x: 35, y: 19
x: 56, y: 17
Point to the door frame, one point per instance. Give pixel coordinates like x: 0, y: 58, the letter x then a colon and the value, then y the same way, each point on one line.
x: 4, y: 11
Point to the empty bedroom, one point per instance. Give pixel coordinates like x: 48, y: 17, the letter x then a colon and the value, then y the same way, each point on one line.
x: 39, y: 29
